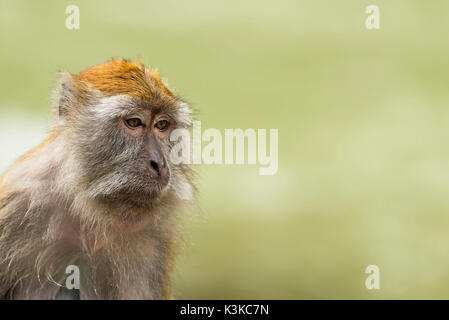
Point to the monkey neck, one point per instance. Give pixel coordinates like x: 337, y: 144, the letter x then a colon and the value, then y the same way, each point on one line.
x: 92, y: 239
x: 93, y: 243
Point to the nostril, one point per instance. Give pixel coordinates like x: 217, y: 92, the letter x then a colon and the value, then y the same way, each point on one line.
x: 155, y: 166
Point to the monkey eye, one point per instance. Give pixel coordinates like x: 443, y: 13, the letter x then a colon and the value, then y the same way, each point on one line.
x: 134, y: 122
x: 161, y: 125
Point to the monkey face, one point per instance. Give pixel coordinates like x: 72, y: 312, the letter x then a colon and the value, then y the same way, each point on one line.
x: 152, y: 130
x: 123, y: 145
x: 118, y: 117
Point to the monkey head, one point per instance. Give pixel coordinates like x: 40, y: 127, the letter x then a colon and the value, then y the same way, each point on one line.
x: 117, y: 118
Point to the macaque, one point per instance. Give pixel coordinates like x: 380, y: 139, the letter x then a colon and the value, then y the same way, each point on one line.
x: 99, y: 193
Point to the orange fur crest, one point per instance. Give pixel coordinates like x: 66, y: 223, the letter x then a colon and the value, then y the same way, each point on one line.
x: 120, y: 76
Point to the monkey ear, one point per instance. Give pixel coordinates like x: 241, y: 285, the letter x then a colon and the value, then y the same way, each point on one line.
x: 64, y: 95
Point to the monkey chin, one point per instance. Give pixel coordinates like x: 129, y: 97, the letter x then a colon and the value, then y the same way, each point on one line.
x: 132, y: 201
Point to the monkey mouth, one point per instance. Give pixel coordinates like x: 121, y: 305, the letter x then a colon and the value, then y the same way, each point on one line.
x: 161, y: 183
x: 139, y: 190
x: 159, y: 180
x: 155, y: 188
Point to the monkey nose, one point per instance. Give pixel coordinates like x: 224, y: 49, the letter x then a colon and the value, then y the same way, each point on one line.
x: 159, y: 170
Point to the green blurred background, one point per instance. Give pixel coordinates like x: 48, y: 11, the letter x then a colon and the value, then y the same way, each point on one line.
x: 363, y: 132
